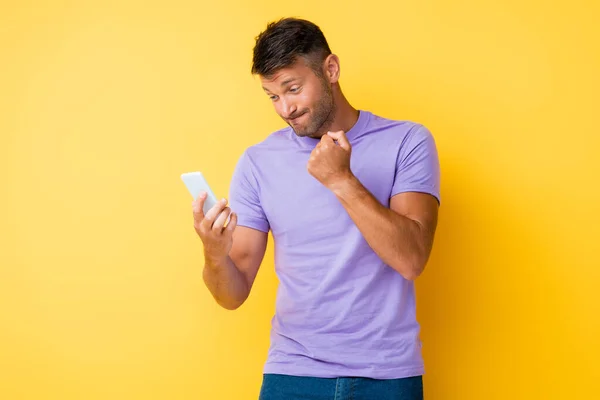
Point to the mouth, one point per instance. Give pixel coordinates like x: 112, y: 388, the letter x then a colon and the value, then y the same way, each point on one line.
x: 297, y: 119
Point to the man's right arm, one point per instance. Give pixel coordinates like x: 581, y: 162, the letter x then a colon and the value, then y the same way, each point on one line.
x: 230, y: 278
x: 232, y: 254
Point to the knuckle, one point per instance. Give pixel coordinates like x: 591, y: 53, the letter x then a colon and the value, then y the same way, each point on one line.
x: 209, y: 217
x: 205, y: 227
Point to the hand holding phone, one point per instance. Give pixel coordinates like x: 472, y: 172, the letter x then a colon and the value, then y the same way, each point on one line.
x: 215, y: 223
x: 196, y: 184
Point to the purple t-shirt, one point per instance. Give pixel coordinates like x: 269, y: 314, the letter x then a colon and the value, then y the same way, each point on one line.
x: 340, y: 310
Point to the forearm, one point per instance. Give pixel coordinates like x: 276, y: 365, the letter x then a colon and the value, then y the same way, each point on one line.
x: 227, y: 284
x: 398, y: 240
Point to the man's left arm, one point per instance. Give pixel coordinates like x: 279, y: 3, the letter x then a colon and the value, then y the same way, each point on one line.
x: 401, y: 235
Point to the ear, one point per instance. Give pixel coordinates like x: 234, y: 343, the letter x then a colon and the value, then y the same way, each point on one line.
x: 332, y: 68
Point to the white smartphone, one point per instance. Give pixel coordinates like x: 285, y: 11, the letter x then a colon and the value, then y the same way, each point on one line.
x: 196, y: 183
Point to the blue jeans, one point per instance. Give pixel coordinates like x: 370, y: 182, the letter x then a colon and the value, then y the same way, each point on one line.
x: 287, y: 387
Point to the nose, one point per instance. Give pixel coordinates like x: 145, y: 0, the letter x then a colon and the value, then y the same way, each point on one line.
x: 288, y: 108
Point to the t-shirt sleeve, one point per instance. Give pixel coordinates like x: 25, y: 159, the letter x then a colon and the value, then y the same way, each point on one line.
x: 417, y: 164
x: 244, y: 197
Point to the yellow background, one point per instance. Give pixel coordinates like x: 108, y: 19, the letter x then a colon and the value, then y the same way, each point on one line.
x: 104, y: 104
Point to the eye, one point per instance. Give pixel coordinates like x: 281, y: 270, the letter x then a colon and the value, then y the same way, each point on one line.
x: 273, y: 97
x: 295, y: 89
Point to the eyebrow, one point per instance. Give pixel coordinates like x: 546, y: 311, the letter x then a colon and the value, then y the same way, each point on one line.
x: 286, y: 82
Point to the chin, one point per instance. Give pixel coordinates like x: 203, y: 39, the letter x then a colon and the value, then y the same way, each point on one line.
x: 304, y: 132
x: 307, y: 131
x: 313, y: 135
x: 301, y: 132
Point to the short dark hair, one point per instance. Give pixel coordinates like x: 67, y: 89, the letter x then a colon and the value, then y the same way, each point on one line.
x: 284, y: 41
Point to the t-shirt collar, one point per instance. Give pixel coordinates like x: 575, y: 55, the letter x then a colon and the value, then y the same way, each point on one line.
x: 357, y: 128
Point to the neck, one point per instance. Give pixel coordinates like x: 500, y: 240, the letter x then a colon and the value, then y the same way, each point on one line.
x: 345, y: 115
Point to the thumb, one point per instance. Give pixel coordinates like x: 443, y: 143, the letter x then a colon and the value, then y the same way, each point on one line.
x: 340, y: 136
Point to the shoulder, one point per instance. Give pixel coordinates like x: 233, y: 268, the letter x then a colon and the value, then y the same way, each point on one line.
x: 276, y: 140
x: 403, y: 133
x: 400, y: 127
x: 260, y: 153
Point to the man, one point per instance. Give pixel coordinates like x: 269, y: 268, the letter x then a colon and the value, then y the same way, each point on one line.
x: 351, y: 199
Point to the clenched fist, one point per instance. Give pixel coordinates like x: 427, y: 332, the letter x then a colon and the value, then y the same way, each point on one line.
x: 329, y: 162
x: 215, y: 236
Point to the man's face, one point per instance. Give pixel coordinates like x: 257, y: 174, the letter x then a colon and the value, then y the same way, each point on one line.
x: 301, y: 98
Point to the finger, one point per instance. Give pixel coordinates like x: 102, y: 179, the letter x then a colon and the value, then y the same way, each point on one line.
x: 326, y: 139
x: 220, y: 221
x: 232, y: 223
x: 335, y: 135
x: 213, y: 213
x: 325, y: 144
x: 340, y: 136
x: 198, y: 207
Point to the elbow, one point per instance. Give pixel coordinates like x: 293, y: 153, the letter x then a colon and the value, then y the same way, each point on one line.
x: 232, y: 301
x: 411, y: 275
x: 410, y: 270
x: 230, y: 305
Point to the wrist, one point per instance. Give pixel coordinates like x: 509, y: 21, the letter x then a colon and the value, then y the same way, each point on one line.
x: 214, y: 261
x: 344, y: 184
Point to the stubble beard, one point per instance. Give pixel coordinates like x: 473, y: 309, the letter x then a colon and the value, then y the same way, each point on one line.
x: 322, y: 117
